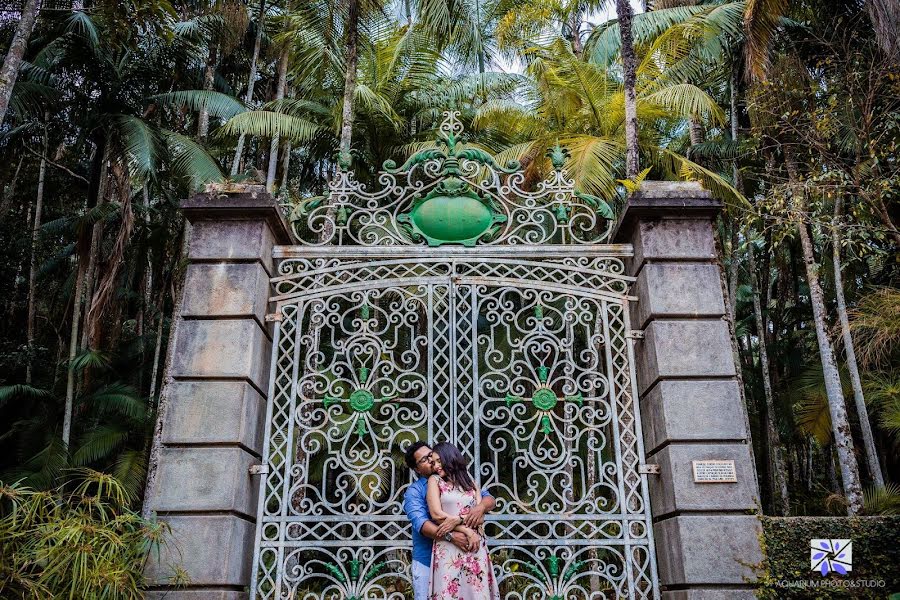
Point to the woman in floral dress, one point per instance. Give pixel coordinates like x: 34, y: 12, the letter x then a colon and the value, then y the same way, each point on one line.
x: 452, y: 492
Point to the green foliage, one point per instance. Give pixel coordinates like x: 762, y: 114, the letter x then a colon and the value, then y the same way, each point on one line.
x: 882, y: 500
x: 876, y: 326
x: 876, y: 554
x: 77, y: 541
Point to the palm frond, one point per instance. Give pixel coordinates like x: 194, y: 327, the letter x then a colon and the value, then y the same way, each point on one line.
x: 99, y: 443
x: 604, y: 43
x: 141, y: 142
x: 90, y: 359
x: 686, y: 100
x: 688, y: 170
x: 130, y: 469
x: 117, y: 398
x: 24, y: 392
x: 189, y: 160
x: 80, y: 23
x: 268, y: 124
x: 882, y: 500
x: 217, y: 104
x: 761, y: 19
x: 31, y: 99
x: 875, y: 323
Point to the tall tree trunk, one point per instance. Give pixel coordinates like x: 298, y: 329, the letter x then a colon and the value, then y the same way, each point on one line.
x: 735, y: 122
x: 407, y: 11
x: 575, y: 33
x: 279, y: 95
x: 73, y: 350
x: 828, y: 457
x: 154, y: 371
x: 850, y: 352
x: 350, y: 60
x: 885, y: 16
x: 734, y: 273
x: 94, y: 248
x: 840, y: 424
x: 629, y: 65
x: 248, y: 97
x: 9, y: 191
x: 285, y: 165
x: 146, y: 290
x: 35, y: 231
x: 13, y: 61
x: 209, y: 78
x: 776, y: 461
x: 696, y: 130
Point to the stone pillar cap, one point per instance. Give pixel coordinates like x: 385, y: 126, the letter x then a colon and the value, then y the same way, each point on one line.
x: 238, y: 202
x: 661, y: 199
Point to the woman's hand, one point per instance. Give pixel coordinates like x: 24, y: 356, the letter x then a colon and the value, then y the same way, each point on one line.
x: 448, y: 525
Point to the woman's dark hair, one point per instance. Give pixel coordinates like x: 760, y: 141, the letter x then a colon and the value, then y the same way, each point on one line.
x: 455, y: 466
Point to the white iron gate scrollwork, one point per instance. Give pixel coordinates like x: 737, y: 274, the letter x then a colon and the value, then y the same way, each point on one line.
x: 518, y: 354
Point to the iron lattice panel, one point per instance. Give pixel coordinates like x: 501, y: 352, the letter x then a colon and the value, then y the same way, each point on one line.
x: 523, y: 362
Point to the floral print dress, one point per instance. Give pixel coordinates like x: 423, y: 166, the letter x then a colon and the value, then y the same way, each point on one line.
x: 456, y: 574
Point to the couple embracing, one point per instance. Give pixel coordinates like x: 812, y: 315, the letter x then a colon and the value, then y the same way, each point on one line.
x: 446, y: 509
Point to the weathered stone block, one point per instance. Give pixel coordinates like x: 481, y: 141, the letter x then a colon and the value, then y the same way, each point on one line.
x: 205, y: 479
x: 677, y: 290
x: 671, y: 239
x: 226, y: 290
x: 232, y: 241
x: 682, y: 349
x: 670, y: 412
x: 214, y: 550
x: 189, y: 594
x: 707, y: 549
x: 227, y: 348
x: 674, y: 489
x: 215, y: 412
x: 710, y: 594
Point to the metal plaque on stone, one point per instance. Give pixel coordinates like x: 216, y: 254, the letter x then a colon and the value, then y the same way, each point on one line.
x: 714, y: 471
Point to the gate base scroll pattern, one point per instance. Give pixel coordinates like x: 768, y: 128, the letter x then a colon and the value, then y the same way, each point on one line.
x: 522, y: 360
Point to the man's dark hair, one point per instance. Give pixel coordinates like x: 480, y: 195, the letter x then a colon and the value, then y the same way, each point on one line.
x: 410, y: 455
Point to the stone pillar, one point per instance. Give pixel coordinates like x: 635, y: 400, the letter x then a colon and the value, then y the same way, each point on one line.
x: 215, y: 397
x: 707, y: 534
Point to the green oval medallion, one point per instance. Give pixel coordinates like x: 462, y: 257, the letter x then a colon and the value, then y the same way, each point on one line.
x: 452, y: 213
x: 362, y: 400
x: 452, y: 218
x: 544, y: 399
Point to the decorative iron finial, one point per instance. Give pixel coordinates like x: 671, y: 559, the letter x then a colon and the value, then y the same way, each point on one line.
x: 344, y: 160
x: 558, y: 156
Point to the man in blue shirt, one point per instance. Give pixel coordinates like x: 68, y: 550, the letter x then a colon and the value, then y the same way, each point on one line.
x: 419, y: 458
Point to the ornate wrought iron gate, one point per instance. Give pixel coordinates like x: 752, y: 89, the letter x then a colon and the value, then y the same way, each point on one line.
x: 518, y: 353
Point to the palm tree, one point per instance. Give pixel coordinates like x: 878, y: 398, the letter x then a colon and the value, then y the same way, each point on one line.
x: 351, y: 58
x: 629, y: 68
x: 581, y: 105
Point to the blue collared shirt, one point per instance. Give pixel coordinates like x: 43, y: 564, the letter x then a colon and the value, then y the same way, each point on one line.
x: 416, y: 508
